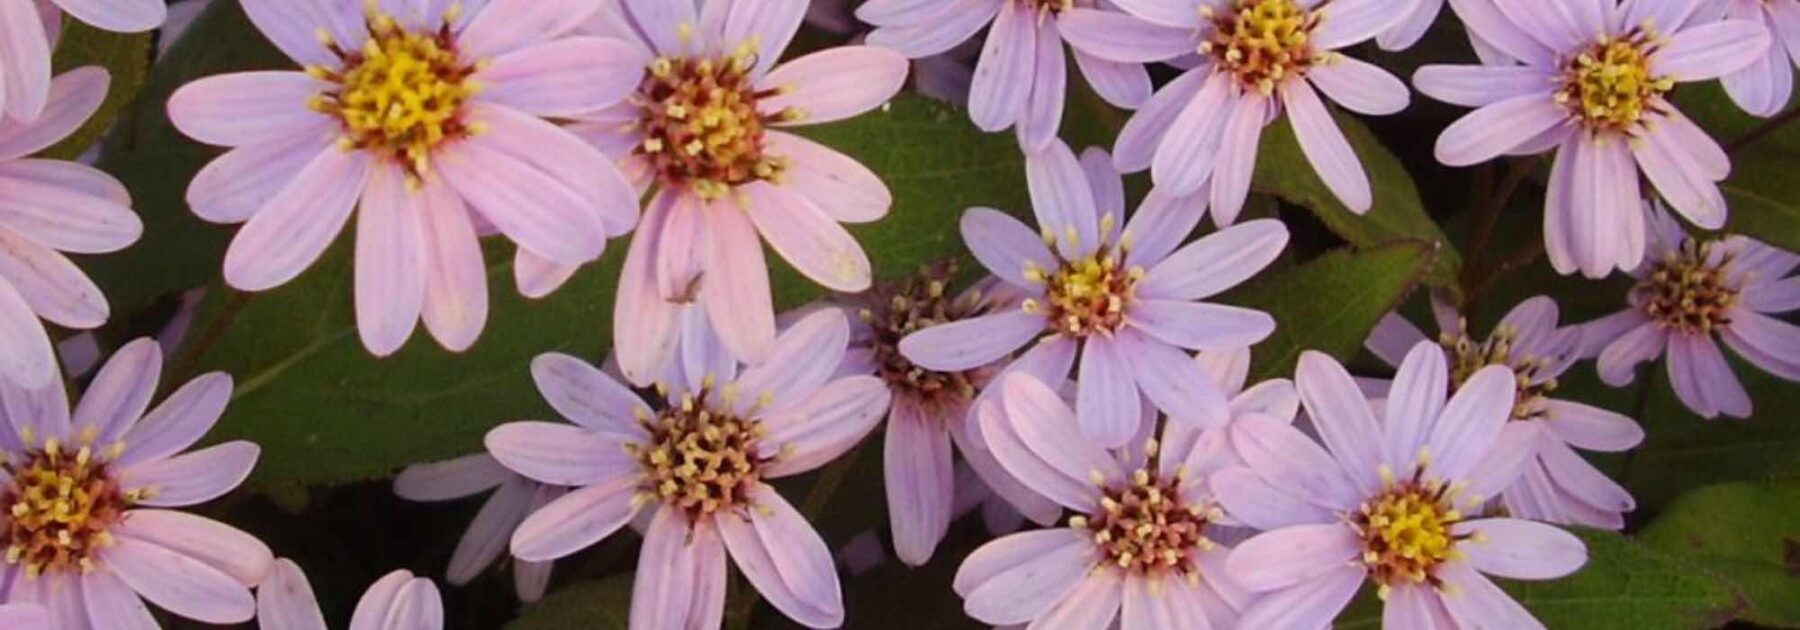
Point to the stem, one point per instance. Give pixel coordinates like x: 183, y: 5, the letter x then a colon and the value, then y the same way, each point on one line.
x: 740, y: 614
x: 189, y: 359
x: 1642, y: 405
x: 1487, y: 220
x: 1761, y: 131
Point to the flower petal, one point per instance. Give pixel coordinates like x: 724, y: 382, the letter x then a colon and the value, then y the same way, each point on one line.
x: 249, y: 108
x: 564, y: 78
x: 973, y: 342
x: 296, y: 226
x: 178, y: 583
x: 823, y: 426
x: 916, y: 466
x: 784, y: 558
x: 285, y: 600
x: 1292, y: 555
x: 576, y: 521
x: 562, y: 454
x: 1005, y: 246
x: 1015, y: 579
x: 179, y: 421
x: 1709, y: 51
x: 834, y: 84
x: 192, y: 478
x: 222, y: 547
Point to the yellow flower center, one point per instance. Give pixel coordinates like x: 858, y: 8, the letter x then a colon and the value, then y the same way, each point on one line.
x: 1144, y: 527
x: 1086, y: 296
x: 699, y: 459
x: 59, y: 506
x: 1609, y: 87
x: 1406, y: 530
x: 1468, y: 357
x: 894, y: 311
x: 700, y: 124
x: 402, y: 94
x: 1689, y: 292
x: 1262, y: 42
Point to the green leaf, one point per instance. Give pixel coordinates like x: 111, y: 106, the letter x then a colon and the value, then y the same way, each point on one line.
x: 1332, y: 302
x: 1763, y: 194
x: 126, y: 57
x: 1747, y: 532
x: 593, y: 605
x: 1683, y: 451
x: 1624, y: 585
x: 325, y: 411
x: 178, y: 251
x: 1398, y: 214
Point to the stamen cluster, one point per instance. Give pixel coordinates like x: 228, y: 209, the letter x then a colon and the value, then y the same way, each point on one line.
x: 1144, y: 526
x: 59, y: 508
x: 701, y: 126
x: 1468, y: 357
x: 1690, y: 292
x: 1609, y: 86
x: 1406, y: 530
x: 1086, y: 296
x: 699, y: 459
x: 900, y: 309
x: 402, y: 94
x: 1262, y: 42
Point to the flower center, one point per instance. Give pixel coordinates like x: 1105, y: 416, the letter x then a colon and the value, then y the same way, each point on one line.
x: 699, y: 459
x: 1050, y: 7
x: 1608, y: 87
x: 1145, y: 527
x: 59, y: 507
x: 1406, y: 530
x: 1262, y: 42
x: 1468, y: 357
x: 1086, y: 296
x: 701, y: 126
x: 1689, y: 291
x: 402, y: 95
x: 897, y: 310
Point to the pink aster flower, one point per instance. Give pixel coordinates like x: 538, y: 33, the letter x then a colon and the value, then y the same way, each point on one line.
x: 1592, y: 84
x: 704, y: 129
x: 84, y: 509
x: 31, y: 28
x: 1020, y: 79
x: 1690, y: 295
x: 1763, y: 87
x: 1258, y: 59
x: 51, y: 208
x: 1137, y: 549
x: 399, y: 601
x: 514, y: 497
x: 1556, y: 485
x: 285, y: 600
x: 1388, y: 501
x: 432, y: 120
x: 700, y: 465
x: 1128, y: 300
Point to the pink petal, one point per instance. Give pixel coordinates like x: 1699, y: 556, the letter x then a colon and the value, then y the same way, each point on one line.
x: 586, y: 395
x: 1416, y: 607
x: 1309, y: 604
x: 296, y: 225
x: 119, y: 16
x: 916, y: 465
x: 1001, y: 584
x: 971, y: 343
x: 562, y: 454
x: 644, y: 322
x: 237, y: 185
x: 378, y: 601
x: 294, y: 25
x: 663, y: 593
x: 1005, y: 246
x: 285, y: 600
x: 1342, y: 417
x: 1581, y: 480
x: 1143, y: 133
x: 839, y: 185
x: 50, y: 283
x: 835, y: 84
x: 1216, y: 262
x: 1042, y: 421
x: 1414, y: 404
x: 1094, y: 603
x: 491, y: 529
x: 1326, y: 148
x: 1619, y: 360
x: 576, y: 521
x: 1237, y: 156
x: 1169, y: 378
x: 1124, y: 85
x: 538, y: 277
x: 823, y: 425
x: 1703, y: 380
x: 1288, y: 556
x: 1470, y: 422
x: 1062, y: 200
x: 451, y: 479
x: 120, y: 393
x: 1003, y: 74
x: 784, y: 558
x: 25, y: 48
x: 1288, y: 460
x: 178, y: 583
x: 1480, y: 86
x: 456, y: 300
x: 249, y: 108
x: 736, y: 290
x: 179, y: 421
x: 222, y: 547
x: 564, y: 78
x: 1709, y: 51
x: 192, y: 478
x: 1247, y: 498
x: 1121, y: 37
x: 1490, y: 131
x: 1591, y: 428
x: 1479, y: 602
x: 546, y: 149
x: 74, y: 97
x: 805, y: 356
x: 109, y: 603
x: 1030, y: 469
x: 1043, y: 114
x: 1360, y: 86
x: 769, y: 26
x: 390, y: 275
x: 806, y: 237
x: 508, y: 25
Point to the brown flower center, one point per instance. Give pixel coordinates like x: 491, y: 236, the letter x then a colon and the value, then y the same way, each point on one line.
x: 1145, y: 527
x: 1405, y: 530
x: 1609, y: 86
x: 402, y: 94
x: 1262, y: 42
x: 1086, y: 296
x: 699, y: 459
x: 700, y: 124
x: 59, y: 506
x: 1530, y: 373
x: 900, y: 309
x: 1688, y: 291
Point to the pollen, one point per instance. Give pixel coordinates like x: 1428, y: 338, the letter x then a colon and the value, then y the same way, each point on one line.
x: 1690, y: 291
x: 402, y: 94
x: 60, y: 506
x: 700, y: 124
x: 1609, y: 86
x: 1144, y: 527
x: 1532, y: 380
x: 1087, y: 296
x: 1405, y: 531
x: 699, y: 459
x: 1263, y: 42
x: 894, y: 310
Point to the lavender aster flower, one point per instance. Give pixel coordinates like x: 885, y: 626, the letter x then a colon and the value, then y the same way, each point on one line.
x: 1128, y: 300
x: 1020, y: 79
x: 700, y: 466
x: 514, y: 497
x: 1259, y: 59
x: 1592, y: 84
x: 1763, y: 88
x: 1690, y: 295
x: 1388, y: 501
x: 1557, y: 485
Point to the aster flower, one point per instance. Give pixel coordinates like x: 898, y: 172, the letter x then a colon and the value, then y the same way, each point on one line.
x: 704, y: 128
x: 84, y: 510
x: 1388, y: 501
x: 1137, y: 549
x: 285, y: 600
x: 1258, y: 59
x: 1592, y: 85
x: 1690, y: 295
x: 1128, y: 300
x: 24, y: 617
x: 30, y: 32
x: 1556, y: 485
x: 399, y: 601
x: 514, y: 497
x: 431, y: 120
x: 1020, y: 79
x: 1763, y: 88
x: 700, y: 465
x: 51, y: 208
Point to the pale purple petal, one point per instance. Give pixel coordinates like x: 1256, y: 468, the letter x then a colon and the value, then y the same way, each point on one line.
x: 1042, y: 422
x: 1360, y: 86
x: 971, y: 343
x: 1591, y: 428
x: 784, y: 558
x: 1143, y: 133
x: 1015, y: 579
x: 585, y: 395
x: 505, y: 26
x: 296, y: 225
x: 823, y: 426
x: 1291, y: 555
x: 1342, y: 417
x: 736, y: 290
x: 1480, y: 86
x: 1414, y: 404
x: 1187, y: 149
x: 1618, y: 362
x: 916, y: 466
x: 1291, y: 462
x: 109, y: 603
x: 1254, y: 502
x: 74, y: 97
x: 450, y: 479
x: 1005, y: 246
x: 1120, y: 37
x: 179, y: 421
x: 221, y: 547
x: 1353, y: 21
x: 1702, y: 379
x: 285, y: 600
x: 1093, y: 604
x: 1709, y: 51
x: 1003, y: 74
x: 456, y: 299
x: 1237, y: 155
x: 178, y: 583
x: 575, y: 521
x: 490, y: 531
x: 565, y: 77
x: 1680, y: 178
x: 662, y: 594
x: 1043, y: 114
x: 1170, y: 379
x: 1309, y: 604
x: 1470, y: 422
x: 1028, y: 468
x: 1160, y: 225
x: 1766, y: 342
x: 1416, y: 608
x: 1326, y: 148
x: 1199, y: 325
x: 835, y: 84
x: 1216, y: 262
x: 26, y: 357
x: 1124, y: 85
x: 561, y: 454
x: 1063, y: 201
x: 768, y: 26
x: 1106, y: 401
x: 192, y: 478
x: 932, y: 30
x: 1492, y: 130
x: 1479, y: 603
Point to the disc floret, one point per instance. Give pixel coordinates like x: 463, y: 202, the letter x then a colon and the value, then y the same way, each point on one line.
x: 1405, y: 530
x: 1262, y: 42
x: 1690, y: 291
x: 701, y: 126
x: 699, y: 459
x: 1609, y: 86
x: 1088, y: 295
x: 896, y: 310
x: 61, y: 504
x: 1143, y: 526
x: 1531, y: 373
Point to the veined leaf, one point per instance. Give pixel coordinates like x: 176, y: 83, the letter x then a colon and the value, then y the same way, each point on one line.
x: 1332, y: 302
x: 1747, y: 532
x: 126, y: 57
